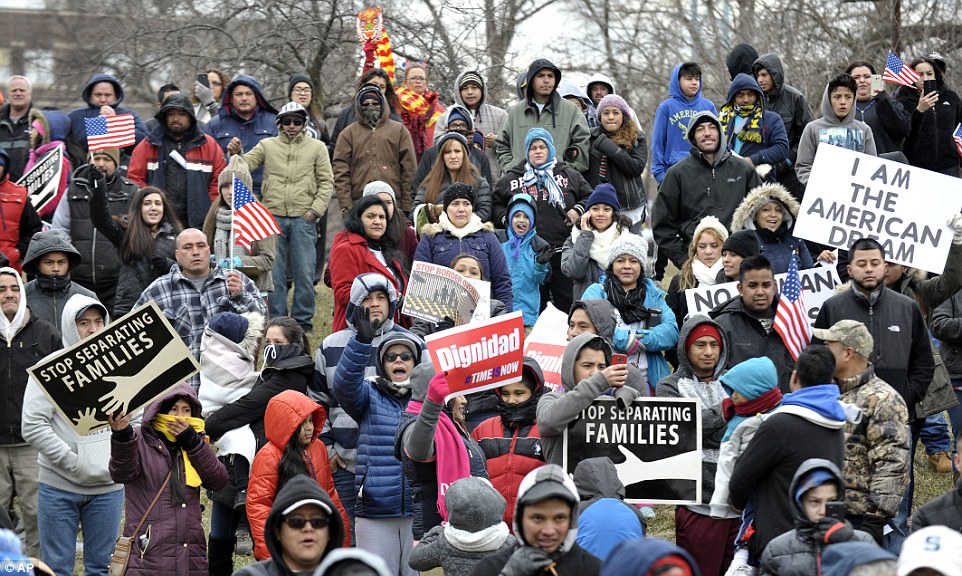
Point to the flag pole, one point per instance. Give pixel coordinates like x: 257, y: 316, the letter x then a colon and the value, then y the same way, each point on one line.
x: 233, y: 240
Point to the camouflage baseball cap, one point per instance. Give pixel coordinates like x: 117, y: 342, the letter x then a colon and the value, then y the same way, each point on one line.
x: 851, y: 333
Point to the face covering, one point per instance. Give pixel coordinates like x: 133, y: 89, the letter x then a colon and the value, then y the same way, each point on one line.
x: 274, y: 353
x: 371, y: 113
x: 53, y: 283
x: 517, y: 415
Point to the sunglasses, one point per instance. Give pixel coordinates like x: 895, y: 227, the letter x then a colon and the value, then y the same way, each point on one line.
x: 292, y: 122
x: 404, y: 356
x: 297, y: 523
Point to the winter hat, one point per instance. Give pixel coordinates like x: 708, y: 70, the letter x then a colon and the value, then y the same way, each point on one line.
x: 364, y: 285
x: 39, y: 123
x: 112, y: 153
x: 366, y: 95
x: 813, y: 479
x: 451, y: 136
x: 471, y: 78
x: 48, y: 241
x: 936, y: 547
x: 604, y: 194
x: 459, y: 190
x: 632, y: 245
x: 644, y: 555
x: 290, y: 109
x: 840, y: 559
x: 473, y: 504
x: 294, y: 79
x: 613, y: 100
x: 701, y: 330
x: 698, y: 119
x: 751, y: 378
x: 744, y: 243
x: 237, y: 166
x: 377, y: 187
x: 229, y: 325
x: 340, y: 558
x: 521, y: 202
x: 398, y: 338
x: 544, y: 136
x: 456, y: 115
x: 713, y: 223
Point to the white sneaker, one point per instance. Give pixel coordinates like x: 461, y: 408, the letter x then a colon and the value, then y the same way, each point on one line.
x: 739, y: 569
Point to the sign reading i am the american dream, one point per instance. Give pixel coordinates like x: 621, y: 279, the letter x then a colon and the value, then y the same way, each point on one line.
x: 818, y: 285
x: 852, y: 195
x: 479, y: 356
x: 655, y: 444
x: 124, y: 367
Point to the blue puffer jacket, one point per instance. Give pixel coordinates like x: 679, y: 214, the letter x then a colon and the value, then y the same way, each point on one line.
x: 228, y: 124
x: 656, y: 340
x: 386, y: 493
x: 439, y: 245
x: 78, y: 129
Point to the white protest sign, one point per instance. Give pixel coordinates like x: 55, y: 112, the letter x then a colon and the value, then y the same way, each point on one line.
x: 852, y: 195
x: 818, y: 285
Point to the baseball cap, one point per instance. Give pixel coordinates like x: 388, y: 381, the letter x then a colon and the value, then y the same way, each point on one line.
x: 305, y: 502
x: 851, y: 333
x: 935, y: 547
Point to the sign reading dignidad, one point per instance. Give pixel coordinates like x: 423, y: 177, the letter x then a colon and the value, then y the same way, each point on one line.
x: 124, y: 367
x: 851, y: 195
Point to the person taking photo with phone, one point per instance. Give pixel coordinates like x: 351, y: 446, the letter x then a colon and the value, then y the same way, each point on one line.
x: 888, y: 119
x: 936, y: 111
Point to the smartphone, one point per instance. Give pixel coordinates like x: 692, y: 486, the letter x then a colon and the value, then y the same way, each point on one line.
x: 929, y: 86
x: 835, y: 510
x: 203, y: 79
x: 619, y: 359
x: 877, y: 85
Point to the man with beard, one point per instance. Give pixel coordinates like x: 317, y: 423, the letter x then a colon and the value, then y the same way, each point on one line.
x: 180, y: 160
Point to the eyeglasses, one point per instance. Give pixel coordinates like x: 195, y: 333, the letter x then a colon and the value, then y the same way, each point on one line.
x: 292, y: 122
x: 301, y: 90
x: 297, y: 523
x: 404, y: 356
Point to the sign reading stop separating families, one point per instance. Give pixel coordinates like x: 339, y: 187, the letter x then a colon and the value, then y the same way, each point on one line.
x: 655, y: 444
x: 122, y: 368
x: 852, y: 195
x: 479, y: 356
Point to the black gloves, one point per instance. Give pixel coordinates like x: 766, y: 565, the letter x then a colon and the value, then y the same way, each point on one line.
x: 365, y: 327
x: 832, y: 530
x: 188, y: 439
x: 446, y: 324
x: 541, y: 249
x: 874, y: 526
x: 526, y: 561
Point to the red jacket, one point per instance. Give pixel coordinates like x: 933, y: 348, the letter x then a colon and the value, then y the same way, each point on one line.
x: 18, y: 221
x: 510, y: 456
x: 350, y: 257
x: 284, y: 415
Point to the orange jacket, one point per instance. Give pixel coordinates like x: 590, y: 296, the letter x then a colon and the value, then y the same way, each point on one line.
x: 284, y: 415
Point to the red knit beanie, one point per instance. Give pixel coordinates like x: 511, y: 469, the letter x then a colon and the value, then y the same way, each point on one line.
x: 702, y: 330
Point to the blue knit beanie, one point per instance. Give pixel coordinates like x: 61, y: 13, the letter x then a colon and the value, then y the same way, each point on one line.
x: 604, y: 194
x: 229, y: 325
x: 456, y: 114
x: 544, y: 136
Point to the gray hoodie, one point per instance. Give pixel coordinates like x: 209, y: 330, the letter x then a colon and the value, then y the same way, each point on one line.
x: 846, y: 132
x: 68, y: 461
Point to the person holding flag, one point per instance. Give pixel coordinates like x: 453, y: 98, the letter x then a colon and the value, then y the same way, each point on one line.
x: 297, y: 187
x: 224, y: 224
x: 103, y: 96
x: 935, y: 116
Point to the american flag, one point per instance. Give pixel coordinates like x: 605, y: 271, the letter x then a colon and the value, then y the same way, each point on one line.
x: 252, y: 222
x: 899, y: 72
x: 791, y: 317
x: 110, y: 131
x: 957, y: 136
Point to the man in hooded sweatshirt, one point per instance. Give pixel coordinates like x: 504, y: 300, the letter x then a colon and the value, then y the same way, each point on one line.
x: 103, y: 96
x: 543, y: 107
x: 766, y: 468
x: 670, y: 140
x: 703, y: 351
x: 837, y: 126
x: 49, y: 259
x: 546, y: 526
x: 471, y: 92
x: 75, y: 488
x: 303, y: 527
x: 374, y: 147
x: 181, y: 160
x: 754, y: 133
x: 709, y: 181
x: 25, y: 341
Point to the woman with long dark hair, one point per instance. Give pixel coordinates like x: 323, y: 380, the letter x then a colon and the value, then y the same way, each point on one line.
x: 935, y: 115
x: 146, y: 239
x: 453, y: 165
x: 367, y: 244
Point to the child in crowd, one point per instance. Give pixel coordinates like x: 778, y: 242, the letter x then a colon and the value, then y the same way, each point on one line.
x: 584, y: 255
x: 528, y: 256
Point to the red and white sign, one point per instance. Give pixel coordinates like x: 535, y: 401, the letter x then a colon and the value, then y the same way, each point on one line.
x: 479, y: 356
x: 546, y: 344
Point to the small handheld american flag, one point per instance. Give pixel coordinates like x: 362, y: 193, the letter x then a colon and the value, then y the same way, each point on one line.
x: 252, y: 222
x: 957, y: 136
x: 898, y: 72
x: 791, y: 317
x: 110, y: 131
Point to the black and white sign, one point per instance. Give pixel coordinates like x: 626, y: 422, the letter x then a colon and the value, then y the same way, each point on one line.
x: 43, y: 180
x: 851, y: 195
x: 124, y: 367
x: 655, y: 444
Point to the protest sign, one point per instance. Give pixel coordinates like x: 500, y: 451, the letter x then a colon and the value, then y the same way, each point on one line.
x: 482, y: 310
x: 437, y: 291
x: 818, y: 285
x: 546, y: 344
x: 479, y: 356
x: 851, y: 195
x: 43, y: 180
x: 655, y: 444
x: 124, y: 367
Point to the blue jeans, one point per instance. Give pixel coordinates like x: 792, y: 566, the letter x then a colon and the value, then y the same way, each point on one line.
x: 344, y: 484
x: 60, y: 512
x: 935, y: 435
x: 900, y: 523
x: 297, y: 236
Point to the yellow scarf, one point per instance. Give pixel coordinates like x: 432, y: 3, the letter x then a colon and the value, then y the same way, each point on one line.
x: 161, y: 424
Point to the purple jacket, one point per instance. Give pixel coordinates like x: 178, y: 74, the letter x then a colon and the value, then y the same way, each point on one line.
x: 140, y: 460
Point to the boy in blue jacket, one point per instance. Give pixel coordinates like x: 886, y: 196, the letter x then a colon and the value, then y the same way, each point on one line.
x: 527, y: 254
x: 669, y: 140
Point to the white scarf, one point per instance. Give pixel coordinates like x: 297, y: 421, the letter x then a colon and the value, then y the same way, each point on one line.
x: 705, y: 275
x: 474, y: 225
x: 486, y: 540
x: 601, y: 245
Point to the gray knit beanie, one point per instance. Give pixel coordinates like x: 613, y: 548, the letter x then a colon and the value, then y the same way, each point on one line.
x: 632, y: 245
x: 473, y: 504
